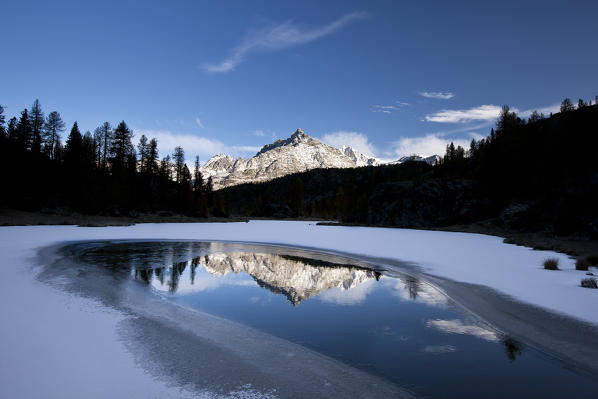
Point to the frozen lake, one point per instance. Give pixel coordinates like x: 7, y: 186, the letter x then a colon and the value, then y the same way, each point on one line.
x: 386, y: 323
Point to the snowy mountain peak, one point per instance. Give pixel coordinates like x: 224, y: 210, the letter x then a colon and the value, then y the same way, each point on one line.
x: 358, y: 158
x: 297, y: 153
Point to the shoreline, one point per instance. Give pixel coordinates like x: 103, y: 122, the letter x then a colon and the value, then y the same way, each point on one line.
x: 566, y: 339
x: 575, y: 245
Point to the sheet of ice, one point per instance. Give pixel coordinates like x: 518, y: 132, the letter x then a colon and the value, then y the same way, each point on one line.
x: 42, y: 324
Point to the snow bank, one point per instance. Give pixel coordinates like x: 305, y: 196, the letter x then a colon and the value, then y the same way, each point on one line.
x: 41, y: 322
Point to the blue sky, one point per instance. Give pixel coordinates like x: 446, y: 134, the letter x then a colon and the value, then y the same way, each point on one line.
x: 391, y: 78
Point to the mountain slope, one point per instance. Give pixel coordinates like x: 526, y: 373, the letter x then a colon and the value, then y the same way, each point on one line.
x: 298, y: 153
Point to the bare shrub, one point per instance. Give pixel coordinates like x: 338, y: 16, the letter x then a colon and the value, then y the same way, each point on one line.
x: 551, y: 264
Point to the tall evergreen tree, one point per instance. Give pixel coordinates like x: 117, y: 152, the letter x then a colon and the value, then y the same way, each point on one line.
x: 11, y: 130
x: 152, y: 157
x: 197, y: 177
x: 178, y: 157
x: 143, y: 150
x: 23, y: 131
x: 121, y: 148
x: 51, y: 133
x: 166, y: 168
x: 103, y: 136
x: 88, y: 155
x: 73, y: 151
x: 36, y: 122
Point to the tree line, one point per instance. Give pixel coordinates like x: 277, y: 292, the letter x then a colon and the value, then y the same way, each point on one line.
x: 99, y: 172
x: 538, y: 173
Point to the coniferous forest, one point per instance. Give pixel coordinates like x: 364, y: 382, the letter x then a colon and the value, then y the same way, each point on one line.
x: 534, y: 174
x: 44, y: 166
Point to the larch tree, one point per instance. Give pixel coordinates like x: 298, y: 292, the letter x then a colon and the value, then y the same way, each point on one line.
x: 178, y: 157
x: 36, y: 122
x: 143, y: 151
x: 152, y: 157
x: 53, y: 127
x: 121, y: 148
x: 103, y: 135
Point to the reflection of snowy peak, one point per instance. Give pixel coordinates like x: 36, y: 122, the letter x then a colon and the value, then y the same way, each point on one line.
x: 296, y: 278
x: 296, y: 154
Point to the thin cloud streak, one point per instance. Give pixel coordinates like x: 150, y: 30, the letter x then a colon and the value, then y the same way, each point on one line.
x: 194, y: 145
x: 480, y: 113
x: 437, y: 95
x: 279, y: 37
x: 389, y: 109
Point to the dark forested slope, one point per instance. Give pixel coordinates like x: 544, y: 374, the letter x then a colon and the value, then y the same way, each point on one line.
x: 539, y: 174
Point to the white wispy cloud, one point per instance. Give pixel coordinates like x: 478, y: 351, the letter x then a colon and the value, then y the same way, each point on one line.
x: 278, y: 37
x: 194, y: 145
x: 546, y: 110
x: 480, y: 113
x: 430, y: 144
x: 258, y: 133
x: 357, y: 140
x: 198, y: 122
x: 439, y: 95
x: 389, y: 109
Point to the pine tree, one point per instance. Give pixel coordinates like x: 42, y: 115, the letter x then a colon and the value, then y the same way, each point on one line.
x: 51, y: 133
x: 534, y: 117
x: 11, y: 130
x: 209, y: 187
x: 567, y: 105
x: 36, y: 122
x: 197, y: 177
x: 73, y: 151
x: 121, y: 148
x: 103, y: 135
x: 178, y: 157
x: 166, y: 168
x: 88, y: 155
x: 152, y: 157
x: 143, y: 149
x: 23, y: 131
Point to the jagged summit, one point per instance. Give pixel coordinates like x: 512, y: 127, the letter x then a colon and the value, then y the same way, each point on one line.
x: 297, y: 153
x: 298, y: 137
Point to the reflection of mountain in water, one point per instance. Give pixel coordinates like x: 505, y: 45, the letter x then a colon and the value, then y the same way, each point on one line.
x: 295, y: 277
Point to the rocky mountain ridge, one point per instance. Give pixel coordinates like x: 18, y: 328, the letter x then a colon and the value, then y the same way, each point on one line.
x: 298, y: 153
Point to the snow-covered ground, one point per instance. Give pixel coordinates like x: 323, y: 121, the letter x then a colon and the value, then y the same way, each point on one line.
x: 41, y: 324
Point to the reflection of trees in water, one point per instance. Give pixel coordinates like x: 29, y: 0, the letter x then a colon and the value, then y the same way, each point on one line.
x: 194, y: 264
x: 144, y: 275
x: 412, y: 285
x: 176, y: 271
x: 512, y: 348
